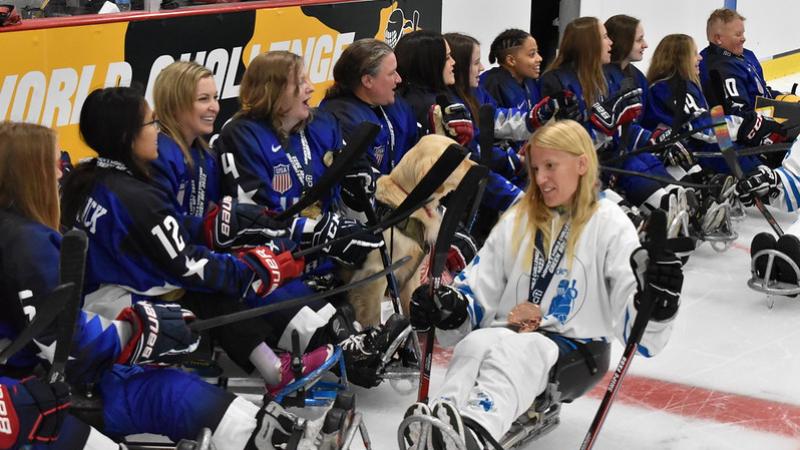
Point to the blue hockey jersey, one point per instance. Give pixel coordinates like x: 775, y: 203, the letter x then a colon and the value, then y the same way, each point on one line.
x: 258, y: 168
x: 742, y: 78
x: 398, y: 126
x: 509, y: 93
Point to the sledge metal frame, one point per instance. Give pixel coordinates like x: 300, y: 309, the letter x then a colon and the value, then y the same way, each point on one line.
x: 542, y: 417
x: 766, y: 284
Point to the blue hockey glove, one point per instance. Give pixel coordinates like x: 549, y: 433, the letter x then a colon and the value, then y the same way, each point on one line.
x: 446, y: 309
x: 159, y: 331
x: 232, y: 225
x: 31, y: 412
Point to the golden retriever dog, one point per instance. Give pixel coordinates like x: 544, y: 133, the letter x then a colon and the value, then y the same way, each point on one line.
x: 415, y: 236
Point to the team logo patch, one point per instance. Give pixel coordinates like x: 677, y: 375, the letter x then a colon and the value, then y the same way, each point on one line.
x: 481, y: 401
x: 281, y: 179
x: 379, y: 151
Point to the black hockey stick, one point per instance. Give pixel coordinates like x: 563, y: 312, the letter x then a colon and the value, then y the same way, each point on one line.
x: 459, y: 202
x: 200, y: 325
x: 749, y: 151
x: 731, y: 159
x: 663, y: 180
x: 657, y: 235
x: 372, y: 219
x: 72, y: 266
x: 656, y: 147
x: 486, y: 138
x: 362, y: 136
x: 47, y: 309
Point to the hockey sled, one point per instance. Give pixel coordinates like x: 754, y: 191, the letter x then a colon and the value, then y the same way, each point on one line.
x: 769, y: 284
x: 573, y: 375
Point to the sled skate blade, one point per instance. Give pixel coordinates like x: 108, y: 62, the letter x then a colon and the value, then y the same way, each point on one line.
x: 769, y: 284
x: 426, y: 424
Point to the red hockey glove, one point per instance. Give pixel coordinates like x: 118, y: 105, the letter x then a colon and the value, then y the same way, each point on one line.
x: 271, y: 270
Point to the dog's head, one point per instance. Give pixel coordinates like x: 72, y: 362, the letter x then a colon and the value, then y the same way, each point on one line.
x: 393, y: 188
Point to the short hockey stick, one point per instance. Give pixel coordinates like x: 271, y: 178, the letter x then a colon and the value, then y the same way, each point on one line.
x: 657, y: 236
x: 363, y: 135
x: 458, y: 204
x: 200, y: 325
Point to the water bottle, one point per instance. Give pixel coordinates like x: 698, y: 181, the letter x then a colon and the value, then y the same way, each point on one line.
x: 124, y: 5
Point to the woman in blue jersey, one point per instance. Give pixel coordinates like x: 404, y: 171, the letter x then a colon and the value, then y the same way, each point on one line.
x: 106, y: 349
x: 513, y: 82
x: 425, y: 62
x: 677, y: 103
x: 365, y: 78
x: 271, y: 153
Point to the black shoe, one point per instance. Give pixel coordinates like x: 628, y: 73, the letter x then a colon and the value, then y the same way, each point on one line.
x: 343, y: 323
x: 763, y: 241
x: 789, y: 245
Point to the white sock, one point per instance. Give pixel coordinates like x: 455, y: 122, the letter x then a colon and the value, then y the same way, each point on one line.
x: 267, y: 363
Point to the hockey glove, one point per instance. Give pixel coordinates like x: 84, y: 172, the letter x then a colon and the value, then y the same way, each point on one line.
x: 757, y: 129
x: 674, y: 153
x: 232, y: 225
x: 361, y: 176
x: 350, y: 253
x: 561, y: 105
x: 453, y: 121
x: 271, y: 270
x: 461, y: 252
x: 159, y: 331
x: 618, y: 110
x: 31, y: 412
x: 762, y: 182
x: 663, y: 273
x: 446, y: 309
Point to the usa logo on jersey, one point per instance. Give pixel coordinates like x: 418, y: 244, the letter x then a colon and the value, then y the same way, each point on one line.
x: 281, y: 179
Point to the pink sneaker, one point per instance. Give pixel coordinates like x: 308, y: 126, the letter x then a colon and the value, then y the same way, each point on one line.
x: 311, y: 361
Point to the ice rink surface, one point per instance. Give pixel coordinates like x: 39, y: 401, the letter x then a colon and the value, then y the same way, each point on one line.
x: 728, y: 379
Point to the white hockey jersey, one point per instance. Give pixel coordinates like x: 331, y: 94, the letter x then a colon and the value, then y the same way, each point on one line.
x: 592, y: 300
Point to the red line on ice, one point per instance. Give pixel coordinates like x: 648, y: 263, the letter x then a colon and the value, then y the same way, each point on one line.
x: 695, y: 402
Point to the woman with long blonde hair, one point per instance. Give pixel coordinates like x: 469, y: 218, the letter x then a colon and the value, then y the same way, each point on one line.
x: 185, y: 103
x: 558, y: 268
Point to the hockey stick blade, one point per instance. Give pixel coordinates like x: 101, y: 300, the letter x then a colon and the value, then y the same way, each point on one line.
x: 47, y: 309
x: 354, y: 149
x: 200, y: 325
x: 486, y: 137
x: 72, y: 266
x: 435, y: 177
x: 723, y: 134
x: 390, y: 221
x: 657, y: 236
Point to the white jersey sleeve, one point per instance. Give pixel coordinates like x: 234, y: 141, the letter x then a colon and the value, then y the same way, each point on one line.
x: 788, y: 198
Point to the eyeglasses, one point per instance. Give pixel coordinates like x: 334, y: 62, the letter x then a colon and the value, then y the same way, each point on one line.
x: 155, y: 122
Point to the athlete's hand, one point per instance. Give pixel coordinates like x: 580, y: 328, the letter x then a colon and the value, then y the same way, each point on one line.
x: 159, y: 331
x: 31, y: 412
x: 271, y: 270
x: 446, y: 308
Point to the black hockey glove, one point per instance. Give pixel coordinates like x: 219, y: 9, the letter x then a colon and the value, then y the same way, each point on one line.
x: 452, y: 120
x: 232, y: 225
x: 361, y: 176
x: 663, y: 273
x: 621, y: 108
x: 32, y: 412
x: 446, y: 309
x: 351, y: 253
x: 159, y: 331
x: 762, y: 182
x: 675, y: 153
x: 757, y: 129
x: 561, y: 105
